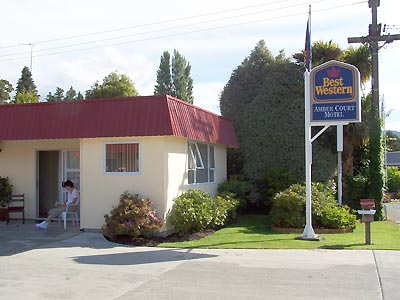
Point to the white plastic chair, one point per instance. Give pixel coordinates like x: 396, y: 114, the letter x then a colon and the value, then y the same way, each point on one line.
x: 73, y: 214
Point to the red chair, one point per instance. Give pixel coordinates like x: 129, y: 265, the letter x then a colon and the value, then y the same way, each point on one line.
x: 16, y: 204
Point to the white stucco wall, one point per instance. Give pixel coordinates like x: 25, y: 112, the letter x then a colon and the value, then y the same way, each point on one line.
x: 162, y: 177
x: 18, y: 162
x: 177, y: 157
x: 100, y: 191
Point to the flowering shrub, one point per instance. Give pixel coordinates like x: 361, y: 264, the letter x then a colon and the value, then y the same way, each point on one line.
x: 133, y: 216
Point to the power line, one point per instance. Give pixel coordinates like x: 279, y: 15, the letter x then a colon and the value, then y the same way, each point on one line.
x: 168, y: 21
x: 156, y: 30
x: 172, y: 34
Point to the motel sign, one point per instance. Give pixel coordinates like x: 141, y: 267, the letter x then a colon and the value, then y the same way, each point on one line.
x: 334, y: 94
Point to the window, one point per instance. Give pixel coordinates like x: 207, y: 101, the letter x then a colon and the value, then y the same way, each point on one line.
x: 201, y: 167
x: 122, y: 158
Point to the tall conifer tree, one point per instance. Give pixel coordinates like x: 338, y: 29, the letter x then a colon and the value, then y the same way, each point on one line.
x: 173, y: 77
x: 26, y: 83
x: 164, y: 83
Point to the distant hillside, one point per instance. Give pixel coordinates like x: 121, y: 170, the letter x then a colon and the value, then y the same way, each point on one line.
x: 395, y: 132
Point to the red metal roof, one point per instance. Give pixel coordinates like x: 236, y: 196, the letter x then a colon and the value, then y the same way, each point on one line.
x: 117, y: 117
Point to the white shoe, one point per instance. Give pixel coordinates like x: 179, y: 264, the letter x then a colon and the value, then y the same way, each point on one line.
x: 42, y: 225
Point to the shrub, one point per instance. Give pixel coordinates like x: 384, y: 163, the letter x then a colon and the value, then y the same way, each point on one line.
x: 240, y: 188
x: 333, y: 216
x: 225, y: 209
x: 5, y: 190
x: 195, y: 210
x: 393, y: 174
x: 288, y: 209
x: 356, y: 188
x: 276, y: 179
x: 133, y: 216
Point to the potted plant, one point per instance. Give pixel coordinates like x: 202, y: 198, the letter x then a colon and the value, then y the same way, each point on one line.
x: 5, y: 192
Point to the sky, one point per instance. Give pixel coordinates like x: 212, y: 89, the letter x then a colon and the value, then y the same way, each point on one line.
x: 77, y: 42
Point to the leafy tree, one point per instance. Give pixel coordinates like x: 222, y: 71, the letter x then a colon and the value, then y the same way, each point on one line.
x: 174, y: 78
x: 376, y: 176
x: 5, y: 89
x: 79, y: 96
x: 264, y: 98
x: 26, y: 83
x: 393, y: 179
x: 361, y: 58
x: 392, y: 141
x: 321, y: 52
x: 70, y: 94
x: 25, y: 97
x: 114, y: 85
x: 50, y: 97
x: 355, y: 134
x: 59, y: 94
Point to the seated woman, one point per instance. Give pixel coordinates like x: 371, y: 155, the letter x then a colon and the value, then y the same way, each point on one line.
x: 72, y: 199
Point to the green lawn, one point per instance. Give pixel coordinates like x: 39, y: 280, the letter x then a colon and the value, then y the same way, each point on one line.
x: 251, y: 232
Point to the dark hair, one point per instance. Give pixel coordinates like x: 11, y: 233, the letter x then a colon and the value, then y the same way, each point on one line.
x: 68, y: 183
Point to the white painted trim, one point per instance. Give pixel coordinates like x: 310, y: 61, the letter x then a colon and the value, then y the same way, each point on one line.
x: 190, y: 152
x: 122, y: 173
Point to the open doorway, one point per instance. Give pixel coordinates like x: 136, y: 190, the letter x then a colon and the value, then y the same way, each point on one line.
x: 54, y: 167
x: 48, y: 181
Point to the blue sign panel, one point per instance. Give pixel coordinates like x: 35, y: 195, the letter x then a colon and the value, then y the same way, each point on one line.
x: 333, y: 83
x: 334, y: 94
x: 337, y: 111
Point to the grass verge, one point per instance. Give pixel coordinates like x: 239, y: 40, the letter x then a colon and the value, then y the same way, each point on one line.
x: 251, y: 232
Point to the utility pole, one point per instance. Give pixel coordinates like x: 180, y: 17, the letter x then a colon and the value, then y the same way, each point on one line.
x: 372, y: 39
x: 29, y: 44
x: 376, y: 165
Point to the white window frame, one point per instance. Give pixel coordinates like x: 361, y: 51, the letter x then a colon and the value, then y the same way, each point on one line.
x: 202, y: 166
x: 209, y: 162
x: 65, y: 171
x: 105, y: 172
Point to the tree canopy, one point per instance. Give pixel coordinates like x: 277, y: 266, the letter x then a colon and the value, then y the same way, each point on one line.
x: 173, y: 77
x: 264, y: 97
x: 26, y: 83
x: 25, y: 97
x: 114, y: 85
x: 26, y: 91
x: 164, y: 81
x: 392, y: 141
x: 59, y: 95
x: 5, y: 89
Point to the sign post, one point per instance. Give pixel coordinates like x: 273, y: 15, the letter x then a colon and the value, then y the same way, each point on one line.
x: 332, y: 97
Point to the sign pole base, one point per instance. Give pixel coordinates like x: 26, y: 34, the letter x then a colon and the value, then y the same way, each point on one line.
x: 309, y: 235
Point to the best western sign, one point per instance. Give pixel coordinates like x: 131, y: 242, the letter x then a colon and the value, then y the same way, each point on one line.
x: 335, y: 94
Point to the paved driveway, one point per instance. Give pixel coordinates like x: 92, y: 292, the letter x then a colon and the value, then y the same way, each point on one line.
x: 393, y: 211
x: 86, y: 266
x: 17, y: 237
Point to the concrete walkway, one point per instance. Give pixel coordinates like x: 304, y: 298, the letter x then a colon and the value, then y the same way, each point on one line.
x: 72, y: 265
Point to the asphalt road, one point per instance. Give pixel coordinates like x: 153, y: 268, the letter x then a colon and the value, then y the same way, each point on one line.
x: 86, y: 266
